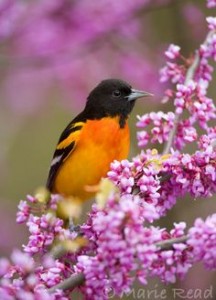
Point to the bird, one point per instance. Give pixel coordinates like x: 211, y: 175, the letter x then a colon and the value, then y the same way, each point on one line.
x: 93, y: 140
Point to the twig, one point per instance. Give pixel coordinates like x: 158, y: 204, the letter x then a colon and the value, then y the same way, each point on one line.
x: 78, y: 279
x: 189, y: 76
x: 167, y: 244
x: 69, y: 283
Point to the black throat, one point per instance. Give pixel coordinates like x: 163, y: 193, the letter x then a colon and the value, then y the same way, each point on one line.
x: 89, y: 113
x: 122, y: 121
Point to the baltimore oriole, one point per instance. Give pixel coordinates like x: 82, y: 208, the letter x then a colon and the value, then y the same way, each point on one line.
x: 91, y: 141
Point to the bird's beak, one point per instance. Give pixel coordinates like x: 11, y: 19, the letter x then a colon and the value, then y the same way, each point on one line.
x: 135, y: 94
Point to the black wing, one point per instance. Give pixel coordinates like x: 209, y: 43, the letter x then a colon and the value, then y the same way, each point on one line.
x: 66, y: 144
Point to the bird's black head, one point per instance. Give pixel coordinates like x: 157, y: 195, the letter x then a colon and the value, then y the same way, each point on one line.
x: 112, y: 97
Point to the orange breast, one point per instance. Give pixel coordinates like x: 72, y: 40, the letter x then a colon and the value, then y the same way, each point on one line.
x: 100, y: 142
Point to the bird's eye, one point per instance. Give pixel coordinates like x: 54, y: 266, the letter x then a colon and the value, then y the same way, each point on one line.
x: 116, y: 93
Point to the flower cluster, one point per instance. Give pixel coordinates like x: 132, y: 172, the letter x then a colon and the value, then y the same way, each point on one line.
x: 202, y: 238
x: 43, y: 231
x: 190, y: 96
x: 31, y: 272
x: 162, y: 125
x: 193, y: 174
x: 119, y: 245
x: 24, y: 278
x: 161, y: 180
x: 124, y: 245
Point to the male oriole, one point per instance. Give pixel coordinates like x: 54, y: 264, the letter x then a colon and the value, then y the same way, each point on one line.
x: 91, y: 141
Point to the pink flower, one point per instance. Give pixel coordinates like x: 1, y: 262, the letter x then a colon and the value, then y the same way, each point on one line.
x: 43, y: 231
x: 162, y: 125
x: 211, y: 23
x: 211, y: 3
x: 202, y: 237
x: 172, y: 72
x: 24, y: 212
x: 22, y: 260
x: 143, y: 138
x: 172, y: 52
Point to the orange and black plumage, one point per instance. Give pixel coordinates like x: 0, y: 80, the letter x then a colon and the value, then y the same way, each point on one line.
x: 93, y: 139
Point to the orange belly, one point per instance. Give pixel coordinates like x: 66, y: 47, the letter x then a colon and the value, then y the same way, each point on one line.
x: 100, y: 142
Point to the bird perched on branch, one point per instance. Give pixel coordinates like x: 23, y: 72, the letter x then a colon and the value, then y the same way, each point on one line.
x: 93, y: 139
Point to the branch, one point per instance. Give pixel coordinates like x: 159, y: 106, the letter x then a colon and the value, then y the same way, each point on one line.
x: 168, y: 244
x: 189, y: 76
x: 69, y: 283
x: 78, y: 279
